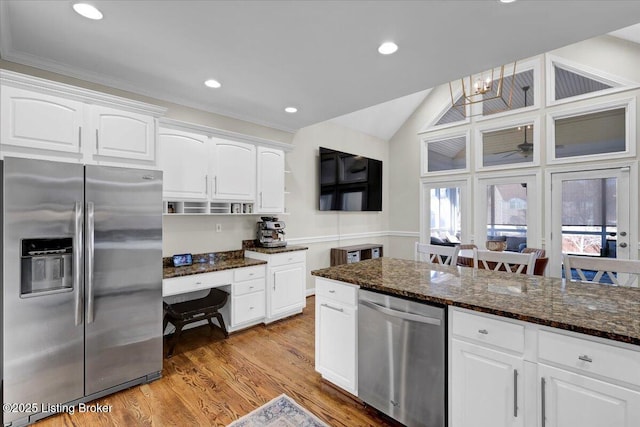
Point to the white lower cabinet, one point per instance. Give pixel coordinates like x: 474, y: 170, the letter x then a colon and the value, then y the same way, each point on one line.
x: 487, y: 387
x: 337, y: 333
x: 570, y: 399
x: 285, y: 284
x: 247, y: 297
x: 540, y: 376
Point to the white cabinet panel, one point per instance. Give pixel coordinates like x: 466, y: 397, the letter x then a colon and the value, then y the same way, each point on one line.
x: 39, y: 121
x: 184, y: 159
x: 123, y: 134
x: 287, y: 293
x: 234, y: 170
x: 487, y: 387
x: 247, y: 308
x: 571, y: 399
x: 270, y: 180
x: 336, y: 343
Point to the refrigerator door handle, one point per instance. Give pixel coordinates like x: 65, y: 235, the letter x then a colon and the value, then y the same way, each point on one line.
x: 77, y: 264
x: 89, y: 261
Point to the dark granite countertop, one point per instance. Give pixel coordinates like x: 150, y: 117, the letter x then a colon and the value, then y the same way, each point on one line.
x: 270, y: 251
x: 221, y: 261
x: 599, y: 310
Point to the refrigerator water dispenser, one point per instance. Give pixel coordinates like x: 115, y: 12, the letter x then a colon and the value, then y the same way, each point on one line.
x: 46, y: 265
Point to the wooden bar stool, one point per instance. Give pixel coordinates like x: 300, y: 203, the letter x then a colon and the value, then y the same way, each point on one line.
x: 183, y: 313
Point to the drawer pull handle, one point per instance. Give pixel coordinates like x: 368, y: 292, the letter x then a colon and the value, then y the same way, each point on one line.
x: 250, y: 287
x: 251, y: 274
x: 250, y: 308
x: 290, y: 259
x: 483, y: 331
x: 332, y: 291
x: 585, y: 358
x: 198, y: 283
x: 543, y: 402
x: 515, y: 393
x: 333, y: 308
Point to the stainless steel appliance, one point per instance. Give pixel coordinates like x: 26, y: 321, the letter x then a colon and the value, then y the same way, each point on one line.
x: 270, y: 232
x: 401, y: 358
x: 81, y: 283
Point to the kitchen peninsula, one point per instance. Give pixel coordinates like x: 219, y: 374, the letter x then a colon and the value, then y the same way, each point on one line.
x: 557, y: 353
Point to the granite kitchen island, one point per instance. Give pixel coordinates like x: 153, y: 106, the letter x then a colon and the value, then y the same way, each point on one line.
x: 554, y: 352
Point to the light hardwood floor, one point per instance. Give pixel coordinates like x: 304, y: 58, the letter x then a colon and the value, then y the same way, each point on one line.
x: 211, y: 381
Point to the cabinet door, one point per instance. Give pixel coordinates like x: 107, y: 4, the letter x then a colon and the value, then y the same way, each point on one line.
x: 487, y: 389
x: 184, y: 159
x: 122, y: 134
x: 44, y: 122
x: 234, y: 170
x: 247, y: 308
x: 336, y: 326
x: 287, y: 289
x: 570, y: 399
x: 270, y: 180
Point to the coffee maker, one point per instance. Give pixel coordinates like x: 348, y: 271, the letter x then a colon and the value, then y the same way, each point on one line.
x: 270, y: 232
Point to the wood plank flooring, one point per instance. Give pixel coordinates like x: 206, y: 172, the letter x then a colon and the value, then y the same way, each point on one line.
x: 211, y: 381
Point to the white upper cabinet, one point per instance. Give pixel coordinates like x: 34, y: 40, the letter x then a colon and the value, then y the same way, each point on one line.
x: 54, y: 121
x: 122, y: 134
x: 270, y: 180
x: 184, y: 159
x: 234, y: 170
x: 39, y: 121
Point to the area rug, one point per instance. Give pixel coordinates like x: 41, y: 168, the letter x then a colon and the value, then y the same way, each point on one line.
x: 280, y: 412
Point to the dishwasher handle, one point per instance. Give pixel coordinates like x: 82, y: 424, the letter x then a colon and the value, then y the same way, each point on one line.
x: 401, y: 314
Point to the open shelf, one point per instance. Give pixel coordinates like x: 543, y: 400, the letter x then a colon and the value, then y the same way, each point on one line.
x: 171, y: 207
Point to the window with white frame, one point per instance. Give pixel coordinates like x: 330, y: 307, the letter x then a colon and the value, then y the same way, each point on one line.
x: 513, y: 89
x: 444, y: 154
x: 594, y: 132
x: 507, y: 209
x: 513, y: 145
x: 445, y: 216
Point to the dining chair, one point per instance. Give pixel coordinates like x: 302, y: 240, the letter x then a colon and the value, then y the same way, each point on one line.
x: 436, y: 254
x: 513, y: 262
x: 620, y: 272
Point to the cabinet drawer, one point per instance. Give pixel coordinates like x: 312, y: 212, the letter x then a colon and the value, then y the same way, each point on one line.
x: 195, y: 282
x: 590, y: 357
x: 248, y: 307
x: 248, y: 286
x: 340, y: 292
x: 287, y: 258
x: 487, y: 330
x: 248, y: 273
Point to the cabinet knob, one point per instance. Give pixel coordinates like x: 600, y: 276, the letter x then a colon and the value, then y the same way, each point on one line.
x: 250, y: 308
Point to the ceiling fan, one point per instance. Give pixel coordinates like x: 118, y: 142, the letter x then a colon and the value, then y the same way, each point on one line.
x: 525, y: 148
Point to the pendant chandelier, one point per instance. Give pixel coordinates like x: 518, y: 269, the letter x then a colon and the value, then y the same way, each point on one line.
x: 481, y: 87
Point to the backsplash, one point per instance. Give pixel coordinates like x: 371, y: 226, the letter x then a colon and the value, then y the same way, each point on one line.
x: 206, y: 257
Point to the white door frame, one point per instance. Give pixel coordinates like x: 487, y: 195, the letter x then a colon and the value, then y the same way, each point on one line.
x: 626, y: 172
x: 465, y: 205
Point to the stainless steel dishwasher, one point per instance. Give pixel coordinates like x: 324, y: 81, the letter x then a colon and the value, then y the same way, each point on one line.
x: 401, y: 358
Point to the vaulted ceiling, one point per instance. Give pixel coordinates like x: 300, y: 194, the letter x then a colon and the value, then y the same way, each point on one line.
x: 320, y: 56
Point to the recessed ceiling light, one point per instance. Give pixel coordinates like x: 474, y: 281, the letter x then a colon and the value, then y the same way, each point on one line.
x: 387, y: 48
x: 212, y: 83
x: 507, y: 1
x: 87, y: 10
x: 291, y: 110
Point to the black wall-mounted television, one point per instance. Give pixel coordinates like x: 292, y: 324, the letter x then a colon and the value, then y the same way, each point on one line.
x: 349, y: 182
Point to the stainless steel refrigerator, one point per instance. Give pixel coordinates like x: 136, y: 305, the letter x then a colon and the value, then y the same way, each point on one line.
x: 81, y: 283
